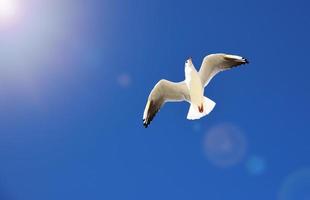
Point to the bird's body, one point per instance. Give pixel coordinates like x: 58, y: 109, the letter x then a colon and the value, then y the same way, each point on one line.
x: 192, y: 88
x: 194, y: 84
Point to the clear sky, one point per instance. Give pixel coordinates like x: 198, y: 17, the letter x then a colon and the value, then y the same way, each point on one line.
x: 74, y: 80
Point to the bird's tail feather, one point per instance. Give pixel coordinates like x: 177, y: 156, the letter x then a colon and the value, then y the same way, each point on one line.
x: 194, y: 113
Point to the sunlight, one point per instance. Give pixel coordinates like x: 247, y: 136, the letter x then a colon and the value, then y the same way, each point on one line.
x: 8, y: 10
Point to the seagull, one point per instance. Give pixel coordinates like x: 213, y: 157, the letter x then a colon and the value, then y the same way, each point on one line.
x: 191, y: 89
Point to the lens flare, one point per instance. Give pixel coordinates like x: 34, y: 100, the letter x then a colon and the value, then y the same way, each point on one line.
x: 124, y: 80
x: 197, y: 127
x: 296, y: 186
x: 8, y: 9
x: 256, y: 165
x: 225, y: 145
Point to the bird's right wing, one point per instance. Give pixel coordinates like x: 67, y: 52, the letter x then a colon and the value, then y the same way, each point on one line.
x: 214, y: 63
x: 163, y: 91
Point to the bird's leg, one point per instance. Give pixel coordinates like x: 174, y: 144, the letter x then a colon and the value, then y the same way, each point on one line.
x: 200, y: 108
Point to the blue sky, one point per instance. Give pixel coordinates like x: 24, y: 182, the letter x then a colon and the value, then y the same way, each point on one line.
x: 75, y: 76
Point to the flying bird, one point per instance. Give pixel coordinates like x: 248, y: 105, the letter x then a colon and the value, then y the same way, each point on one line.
x: 192, y: 88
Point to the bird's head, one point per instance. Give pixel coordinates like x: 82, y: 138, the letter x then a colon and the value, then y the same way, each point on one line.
x: 189, y: 61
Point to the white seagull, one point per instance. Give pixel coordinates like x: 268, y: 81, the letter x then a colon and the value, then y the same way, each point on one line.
x: 192, y: 88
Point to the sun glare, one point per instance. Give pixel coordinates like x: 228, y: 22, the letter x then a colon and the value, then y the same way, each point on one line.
x: 8, y: 10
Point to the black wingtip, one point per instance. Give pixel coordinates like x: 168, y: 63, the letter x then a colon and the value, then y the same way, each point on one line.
x: 145, y: 123
x: 246, y: 61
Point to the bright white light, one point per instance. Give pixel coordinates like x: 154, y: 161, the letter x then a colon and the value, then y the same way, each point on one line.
x: 8, y: 9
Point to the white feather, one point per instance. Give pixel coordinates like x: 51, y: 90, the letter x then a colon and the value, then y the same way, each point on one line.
x: 193, y: 112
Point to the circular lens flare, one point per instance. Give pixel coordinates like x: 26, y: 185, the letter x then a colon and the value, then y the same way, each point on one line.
x: 124, y: 80
x: 256, y: 165
x: 296, y: 186
x: 225, y: 145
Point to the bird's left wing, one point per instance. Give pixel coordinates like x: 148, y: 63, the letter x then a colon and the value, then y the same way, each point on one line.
x: 163, y: 91
x: 214, y: 63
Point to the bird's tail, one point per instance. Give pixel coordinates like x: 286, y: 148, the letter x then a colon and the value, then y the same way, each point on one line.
x: 194, y: 113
